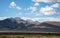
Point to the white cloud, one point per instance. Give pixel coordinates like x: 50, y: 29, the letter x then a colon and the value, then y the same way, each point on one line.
x: 33, y: 19
x: 42, y: 0
x: 36, y: 4
x: 46, y: 1
x: 51, y: 19
x: 43, y: 19
x: 18, y: 8
x: 37, y: 19
x: 2, y: 18
x: 32, y: 9
x: 47, y: 10
x: 37, y: 13
x: 12, y: 5
x: 56, y: 5
x: 57, y: 0
x: 47, y: 19
x: 25, y: 18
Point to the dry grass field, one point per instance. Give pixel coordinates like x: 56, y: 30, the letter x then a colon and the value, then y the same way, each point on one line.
x: 29, y: 36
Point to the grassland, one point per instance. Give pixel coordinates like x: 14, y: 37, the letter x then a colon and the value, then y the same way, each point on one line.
x: 29, y: 36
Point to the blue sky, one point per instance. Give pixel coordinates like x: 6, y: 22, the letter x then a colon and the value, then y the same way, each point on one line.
x: 36, y: 10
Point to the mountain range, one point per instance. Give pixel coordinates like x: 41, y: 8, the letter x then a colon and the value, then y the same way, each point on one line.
x: 18, y: 24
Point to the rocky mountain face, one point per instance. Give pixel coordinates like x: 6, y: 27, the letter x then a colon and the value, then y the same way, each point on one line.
x: 16, y: 24
x: 28, y: 25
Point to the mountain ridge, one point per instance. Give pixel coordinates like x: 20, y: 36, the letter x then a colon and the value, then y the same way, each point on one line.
x: 29, y: 25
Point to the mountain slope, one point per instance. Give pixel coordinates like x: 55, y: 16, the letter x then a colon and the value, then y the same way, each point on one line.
x: 29, y: 25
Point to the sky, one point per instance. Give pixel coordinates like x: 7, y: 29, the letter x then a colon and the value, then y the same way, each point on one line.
x: 36, y: 10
